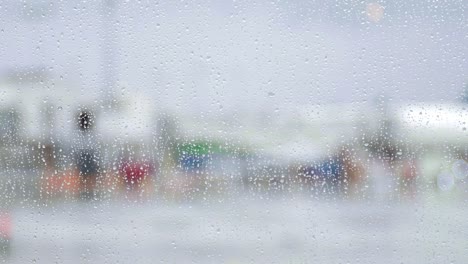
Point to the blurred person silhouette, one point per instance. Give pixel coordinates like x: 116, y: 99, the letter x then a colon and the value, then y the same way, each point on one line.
x: 324, y: 176
x: 408, y: 178
x: 48, y: 179
x: 5, y: 233
x: 137, y: 174
x: 353, y: 171
x: 87, y: 154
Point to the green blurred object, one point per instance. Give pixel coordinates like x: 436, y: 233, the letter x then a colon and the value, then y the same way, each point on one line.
x: 201, y: 147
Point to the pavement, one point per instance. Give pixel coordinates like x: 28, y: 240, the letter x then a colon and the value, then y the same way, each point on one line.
x: 244, y: 230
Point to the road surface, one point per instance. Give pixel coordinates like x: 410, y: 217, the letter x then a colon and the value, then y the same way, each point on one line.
x: 283, y: 230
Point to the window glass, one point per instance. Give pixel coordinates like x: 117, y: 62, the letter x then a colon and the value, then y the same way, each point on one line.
x: 328, y: 131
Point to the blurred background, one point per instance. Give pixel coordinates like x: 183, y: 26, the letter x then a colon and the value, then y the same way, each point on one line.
x: 233, y: 131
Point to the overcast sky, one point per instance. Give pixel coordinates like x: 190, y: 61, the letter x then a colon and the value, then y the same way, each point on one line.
x: 243, y: 54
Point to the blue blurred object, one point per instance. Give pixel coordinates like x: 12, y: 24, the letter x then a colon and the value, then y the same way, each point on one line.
x: 192, y: 163
x: 329, y: 171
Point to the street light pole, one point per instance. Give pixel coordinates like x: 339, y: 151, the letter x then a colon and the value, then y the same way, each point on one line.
x: 109, y: 43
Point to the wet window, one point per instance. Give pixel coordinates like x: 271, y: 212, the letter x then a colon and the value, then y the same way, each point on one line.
x: 233, y: 131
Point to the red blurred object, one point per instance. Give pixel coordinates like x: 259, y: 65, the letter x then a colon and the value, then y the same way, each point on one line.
x: 5, y: 225
x: 136, y: 172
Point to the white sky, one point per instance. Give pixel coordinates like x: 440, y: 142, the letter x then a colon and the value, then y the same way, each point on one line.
x: 245, y: 54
